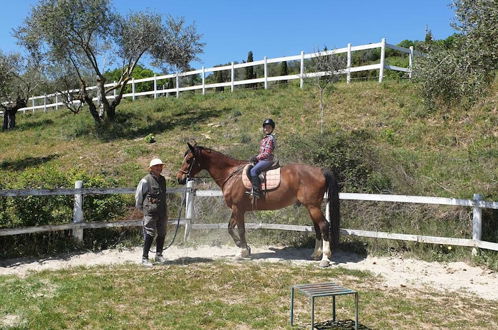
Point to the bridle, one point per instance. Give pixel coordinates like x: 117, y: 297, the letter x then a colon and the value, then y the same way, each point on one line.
x: 190, y: 167
x: 192, y: 164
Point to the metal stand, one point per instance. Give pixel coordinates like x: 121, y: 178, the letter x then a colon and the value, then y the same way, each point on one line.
x: 322, y: 290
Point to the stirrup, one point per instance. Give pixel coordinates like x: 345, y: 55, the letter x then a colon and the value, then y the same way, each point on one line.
x: 256, y: 194
x: 252, y: 194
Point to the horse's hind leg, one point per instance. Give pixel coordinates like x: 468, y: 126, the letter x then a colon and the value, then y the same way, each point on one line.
x: 320, y: 222
x: 317, y: 253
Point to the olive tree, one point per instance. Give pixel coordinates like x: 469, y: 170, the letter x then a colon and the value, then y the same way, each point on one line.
x: 324, y: 72
x: 18, y: 78
x: 461, y: 72
x: 78, y: 39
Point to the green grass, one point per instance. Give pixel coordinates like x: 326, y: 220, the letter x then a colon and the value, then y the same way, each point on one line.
x: 206, y: 294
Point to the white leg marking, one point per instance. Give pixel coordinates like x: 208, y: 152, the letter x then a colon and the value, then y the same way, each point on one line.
x: 325, y: 262
x: 317, y: 253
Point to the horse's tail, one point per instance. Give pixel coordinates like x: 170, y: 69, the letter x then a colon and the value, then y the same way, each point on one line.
x: 334, y: 208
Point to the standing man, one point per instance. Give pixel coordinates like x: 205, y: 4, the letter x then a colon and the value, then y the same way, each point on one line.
x: 150, y: 198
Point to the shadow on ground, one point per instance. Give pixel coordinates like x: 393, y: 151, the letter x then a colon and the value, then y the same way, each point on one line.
x: 22, y: 164
x: 131, y: 125
x: 340, y: 324
x: 304, y: 254
x: 188, y: 261
x: 15, y: 262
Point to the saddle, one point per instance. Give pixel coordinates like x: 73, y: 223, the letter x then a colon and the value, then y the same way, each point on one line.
x: 270, y: 179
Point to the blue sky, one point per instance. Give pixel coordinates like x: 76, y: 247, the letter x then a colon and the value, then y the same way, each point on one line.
x: 277, y: 28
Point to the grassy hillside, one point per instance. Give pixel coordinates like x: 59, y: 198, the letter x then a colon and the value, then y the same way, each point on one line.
x: 450, y: 152
x: 382, y: 130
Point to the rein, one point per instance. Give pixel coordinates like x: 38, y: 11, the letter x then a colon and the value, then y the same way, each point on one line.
x: 237, y: 170
x: 191, y: 166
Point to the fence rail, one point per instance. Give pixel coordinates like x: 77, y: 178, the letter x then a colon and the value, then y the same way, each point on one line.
x: 78, y: 224
x: 383, y: 45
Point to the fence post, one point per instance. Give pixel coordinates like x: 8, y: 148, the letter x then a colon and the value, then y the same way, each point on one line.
x: 189, y: 209
x: 114, y: 90
x: 266, y: 73
x: 203, y: 81
x: 33, y: 104
x: 348, y: 79
x: 45, y: 103
x: 78, y: 211
x: 476, y: 222
x: 232, y: 76
x: 133, y: 89
x: 177, y: 85
x: 382, y: 59
x: 56, y: 101
x: 410, y: 62
x: 301, y: 80
x: 155, y: 86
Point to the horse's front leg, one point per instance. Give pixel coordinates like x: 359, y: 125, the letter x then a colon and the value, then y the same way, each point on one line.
x: 231, y: 229
x: 245, y: 250
x: 237, y: 219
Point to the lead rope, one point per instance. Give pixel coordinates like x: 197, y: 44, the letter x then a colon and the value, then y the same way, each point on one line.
x: 182, y: 204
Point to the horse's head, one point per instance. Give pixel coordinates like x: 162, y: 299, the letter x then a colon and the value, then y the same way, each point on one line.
x: 191, y: 164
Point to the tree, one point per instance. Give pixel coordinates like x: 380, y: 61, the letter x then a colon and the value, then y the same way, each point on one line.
x: 250, y: 70
x: 221, y: 76
x: 18, y: 78
x: 139, y: 73
x: 460, y: 70
x: 284, y: 71
x: 324, y: 73
x: 77, y: 39
x: 428, y: 35
x: 478, y: 22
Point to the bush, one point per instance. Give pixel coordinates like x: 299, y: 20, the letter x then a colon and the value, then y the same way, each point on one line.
x: 40, y: 210
x: 99, y: 207
x: 49, y: 210
x: 449, y: 77
x: 346, y: 153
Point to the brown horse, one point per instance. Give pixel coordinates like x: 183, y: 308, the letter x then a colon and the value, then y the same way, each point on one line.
x: 299, y: 183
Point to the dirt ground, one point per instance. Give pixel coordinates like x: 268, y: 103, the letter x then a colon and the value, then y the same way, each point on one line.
x: 395, y: 272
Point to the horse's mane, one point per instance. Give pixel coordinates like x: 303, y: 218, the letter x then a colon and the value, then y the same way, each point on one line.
x: 200, y: 148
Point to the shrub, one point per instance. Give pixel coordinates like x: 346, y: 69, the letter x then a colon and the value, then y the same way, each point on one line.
x: 45, y: 210
x: 99, y: 207
x: 150, y: 138
x: 346, y: 153
x: 40, y: 210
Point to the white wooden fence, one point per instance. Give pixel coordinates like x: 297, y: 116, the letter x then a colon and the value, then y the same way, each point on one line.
x: 50, y: 101
x: 78, y: 224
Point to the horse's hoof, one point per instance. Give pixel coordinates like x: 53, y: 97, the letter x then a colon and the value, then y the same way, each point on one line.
x: 316, y: 257
x: 324, y: 263
x: 245, y: 253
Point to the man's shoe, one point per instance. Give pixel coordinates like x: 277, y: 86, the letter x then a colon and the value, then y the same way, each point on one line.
x: 146, y: 262
x: 160, y: 259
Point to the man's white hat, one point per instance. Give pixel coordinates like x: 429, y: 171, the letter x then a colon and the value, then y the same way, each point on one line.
x: 156, y: 161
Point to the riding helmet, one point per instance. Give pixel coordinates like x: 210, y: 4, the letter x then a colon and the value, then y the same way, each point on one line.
x: 269, y: 122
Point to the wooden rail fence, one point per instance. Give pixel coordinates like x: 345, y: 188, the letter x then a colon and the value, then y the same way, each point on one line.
x: 49, y: 101
x: 78, y: 222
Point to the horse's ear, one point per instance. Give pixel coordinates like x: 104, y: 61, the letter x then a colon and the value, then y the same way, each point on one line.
x: 191, y: 148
